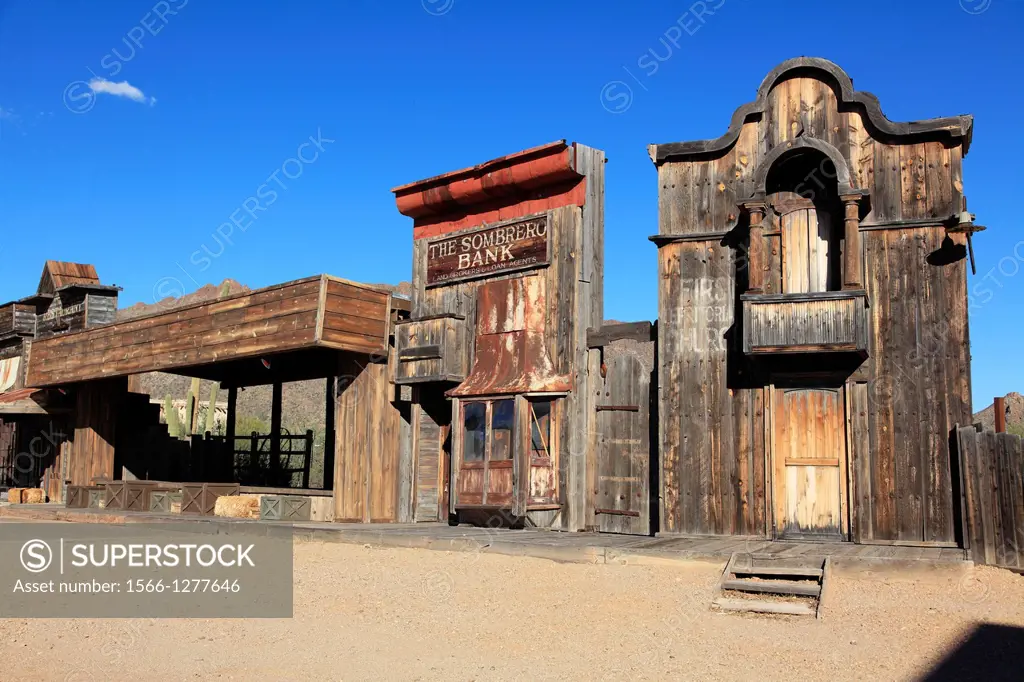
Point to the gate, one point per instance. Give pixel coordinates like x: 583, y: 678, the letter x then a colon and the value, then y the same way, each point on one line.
x: 622, y: 423
x: 992, y: 466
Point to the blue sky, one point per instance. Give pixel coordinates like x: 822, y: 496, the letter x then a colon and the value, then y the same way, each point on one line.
x: 220, y: 95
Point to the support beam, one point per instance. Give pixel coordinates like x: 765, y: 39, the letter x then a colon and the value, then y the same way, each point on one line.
x: 229, y: 427
x: 756, y: 263
x: 329, y: 434
x: 275, y: 431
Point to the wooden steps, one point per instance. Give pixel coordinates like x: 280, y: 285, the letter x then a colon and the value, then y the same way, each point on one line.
x: 762, y: 584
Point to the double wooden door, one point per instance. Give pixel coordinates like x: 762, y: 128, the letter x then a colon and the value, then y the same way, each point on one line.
x: 809, y: 468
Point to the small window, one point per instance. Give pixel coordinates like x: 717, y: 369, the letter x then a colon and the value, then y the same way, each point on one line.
x: 502, y: 422
x: 474, y: 429
x: 540, y: 428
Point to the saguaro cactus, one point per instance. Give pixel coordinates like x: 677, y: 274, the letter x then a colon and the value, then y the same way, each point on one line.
x: 211, y: 408
x: 171, y: 416
x: 192, y: 408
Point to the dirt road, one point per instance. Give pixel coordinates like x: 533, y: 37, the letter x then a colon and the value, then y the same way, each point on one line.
x: 404, y: 614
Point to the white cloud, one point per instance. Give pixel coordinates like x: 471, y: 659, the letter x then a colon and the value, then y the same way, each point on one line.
x: 8, y: 114
x: 122, y: 89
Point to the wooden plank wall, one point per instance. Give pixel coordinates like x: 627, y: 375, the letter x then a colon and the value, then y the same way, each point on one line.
x: 712, y: 456
x: 355, y: 317
x: 272, y: 319
x: 428, y: 466
x: 366, y: 463
x: 92, y: 449
x: 712, y: 434
x: 993, y: 471
x: 919, y: 385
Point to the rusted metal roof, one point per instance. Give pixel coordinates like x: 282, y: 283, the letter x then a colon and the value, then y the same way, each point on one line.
x: 511, y: 355
x: 57, y: 274
x: 530, y: 181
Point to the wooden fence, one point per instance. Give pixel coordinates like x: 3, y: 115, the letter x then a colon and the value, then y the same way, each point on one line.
x: 993, y: 470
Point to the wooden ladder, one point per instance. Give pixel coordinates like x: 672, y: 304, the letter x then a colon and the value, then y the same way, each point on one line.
x: 763, y: 584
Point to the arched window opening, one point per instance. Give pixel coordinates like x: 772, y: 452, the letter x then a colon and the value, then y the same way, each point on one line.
x: 803, y: 194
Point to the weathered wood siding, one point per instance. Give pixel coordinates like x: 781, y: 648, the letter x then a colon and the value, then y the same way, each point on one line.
x: 993, y: 473
x: 918, y: 385
x: 97, y: 405
x: 573, y: 287
x: 368, y: 424
x: 712, y: 433
x: 913, y: 386
x: 355, y: 317
x: 100, y: 309
x: 429, y: 466
x: 772, y: 325
x: 300, y: 314
x: 432, y: 350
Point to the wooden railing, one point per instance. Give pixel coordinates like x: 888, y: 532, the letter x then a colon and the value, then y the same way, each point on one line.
x: 832, y: 321
x: 249, y: 460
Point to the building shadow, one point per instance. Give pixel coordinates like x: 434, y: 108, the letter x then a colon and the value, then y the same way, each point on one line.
x: 991, y: 653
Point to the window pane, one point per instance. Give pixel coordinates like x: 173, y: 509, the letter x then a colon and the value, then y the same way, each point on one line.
x: 502, y: 419
x: 474, y: 429
x: 540, y: 428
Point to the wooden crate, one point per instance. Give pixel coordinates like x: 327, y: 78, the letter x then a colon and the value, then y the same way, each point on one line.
x: 115, y: 498
x: 77, y: 497
x: 200, y: 499
x: 97, y: 497
x: 285, y: 508
x: 137, y: 494
x: 164, y: 500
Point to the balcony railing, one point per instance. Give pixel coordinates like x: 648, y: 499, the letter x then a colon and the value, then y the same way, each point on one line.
x: 825, y: 322
x: 434, y: 349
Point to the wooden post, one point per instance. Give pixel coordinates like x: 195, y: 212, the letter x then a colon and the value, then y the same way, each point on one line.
x: 329, y: 435
x: 851, y: 249
x: 999, y: 407
x: 307, y: 458
x: 275, y: 431
x: 229, y: 427
x: 756, y: 264
x: 229, y: 431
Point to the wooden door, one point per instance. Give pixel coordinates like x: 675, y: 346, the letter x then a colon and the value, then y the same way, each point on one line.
x: 622, y: 498
x: 431, y: 421
x: 807, y: 246
x: 810, y: 460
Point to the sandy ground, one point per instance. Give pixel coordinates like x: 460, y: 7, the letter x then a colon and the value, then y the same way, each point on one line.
x: 371, y: 613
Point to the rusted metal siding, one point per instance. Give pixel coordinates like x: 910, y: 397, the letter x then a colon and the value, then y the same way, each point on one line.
x: 511, y: 354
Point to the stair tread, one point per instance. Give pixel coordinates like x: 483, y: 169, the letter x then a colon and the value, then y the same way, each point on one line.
x: 778, y: 570
x: 755, y: 606
x: 803, y: 589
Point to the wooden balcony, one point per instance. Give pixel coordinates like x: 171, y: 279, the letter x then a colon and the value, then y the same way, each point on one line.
x: 16, y: 318
x: 432, y: 349
x: 825, y: 322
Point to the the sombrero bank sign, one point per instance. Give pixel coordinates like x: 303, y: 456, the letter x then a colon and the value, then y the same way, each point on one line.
x: 486, y: 251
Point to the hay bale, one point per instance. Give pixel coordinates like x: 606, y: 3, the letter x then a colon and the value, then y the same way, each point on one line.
x: 33, y: 496
x: 322, y: 509
x: 238, y: 506
x: 14, y: 495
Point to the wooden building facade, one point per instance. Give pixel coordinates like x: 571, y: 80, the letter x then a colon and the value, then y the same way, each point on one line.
x: 507, y: 278
x: 807, y: 369
x: 812, y: 338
